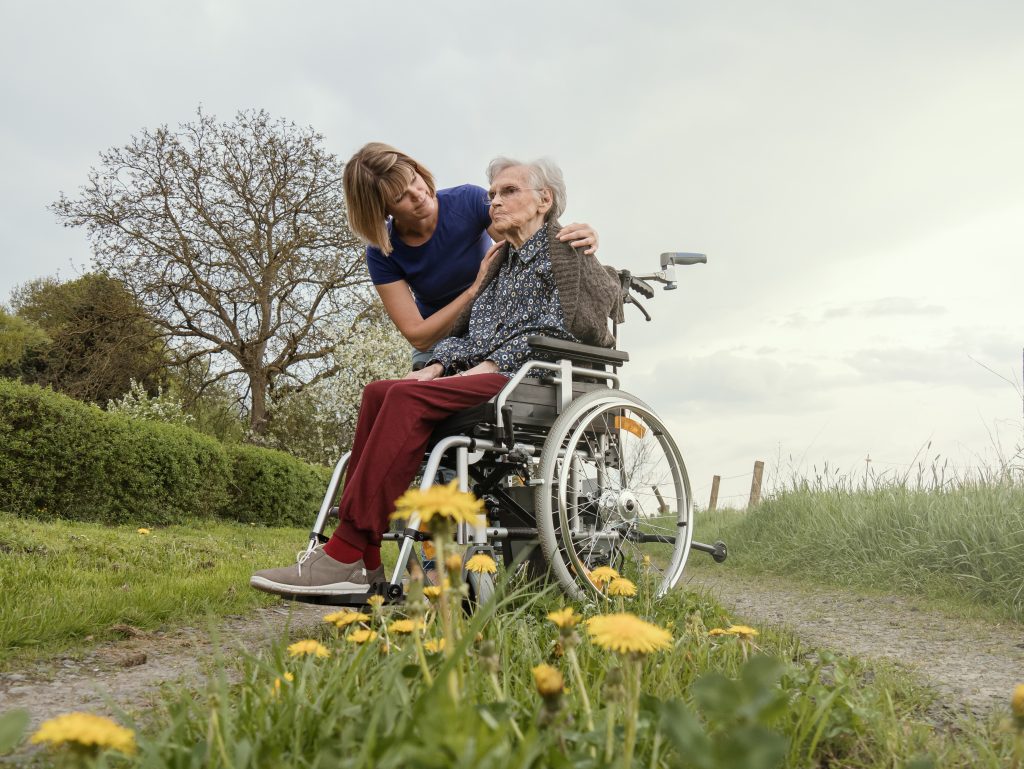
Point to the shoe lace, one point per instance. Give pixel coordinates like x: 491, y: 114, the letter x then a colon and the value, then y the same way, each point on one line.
x: 303, y: 555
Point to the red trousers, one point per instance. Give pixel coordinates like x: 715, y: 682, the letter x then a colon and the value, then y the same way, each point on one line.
x: 395, y: 421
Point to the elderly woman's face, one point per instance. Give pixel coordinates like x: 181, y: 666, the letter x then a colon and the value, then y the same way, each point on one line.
x: 515, y: 206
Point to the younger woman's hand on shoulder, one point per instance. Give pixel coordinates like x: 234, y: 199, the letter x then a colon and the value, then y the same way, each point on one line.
x: 485, y: 265
x: 579, y: 236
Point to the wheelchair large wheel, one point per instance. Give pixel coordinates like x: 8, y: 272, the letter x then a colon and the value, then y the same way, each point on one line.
x: 614, y: 492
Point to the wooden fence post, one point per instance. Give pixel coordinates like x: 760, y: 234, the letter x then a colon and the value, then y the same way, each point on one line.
x: 714, y: 492
x: 755, y: 484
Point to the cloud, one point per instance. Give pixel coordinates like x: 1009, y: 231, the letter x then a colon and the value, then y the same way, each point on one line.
x: 882, y: 307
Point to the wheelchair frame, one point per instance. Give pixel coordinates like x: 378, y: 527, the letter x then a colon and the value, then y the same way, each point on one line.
x: 561, y: 462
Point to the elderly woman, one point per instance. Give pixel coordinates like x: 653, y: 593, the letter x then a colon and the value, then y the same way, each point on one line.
x: 536, y: 285
x: 427, y: 249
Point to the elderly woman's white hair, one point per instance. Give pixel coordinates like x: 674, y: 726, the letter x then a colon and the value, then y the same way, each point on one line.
x: 543, y: 174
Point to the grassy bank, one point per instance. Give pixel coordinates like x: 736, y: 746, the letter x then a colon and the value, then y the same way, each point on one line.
x: 962, y: 545
x: 65, y: 581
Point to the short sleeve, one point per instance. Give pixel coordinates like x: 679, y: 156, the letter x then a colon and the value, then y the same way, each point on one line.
x: 476, y: 203
x: 381, y: 268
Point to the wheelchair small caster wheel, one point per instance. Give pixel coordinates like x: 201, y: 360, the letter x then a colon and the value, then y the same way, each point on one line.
x: 721, y: 552
x: 394, y: 592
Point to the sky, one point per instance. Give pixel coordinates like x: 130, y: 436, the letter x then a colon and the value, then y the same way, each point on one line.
x: 854, y: 172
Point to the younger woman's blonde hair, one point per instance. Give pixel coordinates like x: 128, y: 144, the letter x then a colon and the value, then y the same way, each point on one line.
x: 375, y: 175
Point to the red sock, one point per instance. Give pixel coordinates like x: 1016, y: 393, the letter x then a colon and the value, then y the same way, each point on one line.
x: 371, y: 557
x: 340, y: 550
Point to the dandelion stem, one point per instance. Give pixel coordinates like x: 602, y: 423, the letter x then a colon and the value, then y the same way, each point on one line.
x: 503, y: 698
x: 577, y: 675
x: 418, y: 640
x: 609, y: 734
x: 634, y: 705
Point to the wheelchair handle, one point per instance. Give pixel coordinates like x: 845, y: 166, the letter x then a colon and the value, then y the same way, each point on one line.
x: 682, y: 258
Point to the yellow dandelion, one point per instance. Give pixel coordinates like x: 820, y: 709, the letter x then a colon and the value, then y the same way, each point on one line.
x: 361, y: 636
x: 308, y: 647
x: 87, y: 730
x: 403, y: 626
x: 1017, y: 701
x: 432, y: 592
x: 565, y: 618
x: 277, y: 683
x: 621, y: 587
x: 453, y: 563
x: 439, y: 501
x: 744, y: 632
x: 434, y: 646
x: 647, y: 561
x: 481, y: 564
x: 376, y: 601
x: 627, y: 633
x: 602, y: 575
x: 342, y: 619
x: 717, y: 631
x: 143, y: 531
x: 548, y: 680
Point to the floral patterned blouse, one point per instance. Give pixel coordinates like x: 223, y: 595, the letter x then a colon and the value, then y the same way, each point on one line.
x: 521, y: 301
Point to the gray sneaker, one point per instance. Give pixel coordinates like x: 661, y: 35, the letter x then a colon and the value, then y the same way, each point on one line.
x: 374, y: 576
x: 316, y: 573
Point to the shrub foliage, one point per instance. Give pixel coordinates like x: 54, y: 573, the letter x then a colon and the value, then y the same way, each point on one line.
x: 63, y: 458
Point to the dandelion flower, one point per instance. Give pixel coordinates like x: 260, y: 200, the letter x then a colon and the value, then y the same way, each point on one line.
x: 481, y: 564
x: 453, y: 563
x: 308, y: 647
x: 621, y: 587
x: 361, y: 636
x: 602, y: 575
x: 744, y: 632
x: 717, y: 631
x: 403, y: 626
x: 433, y: 592
x: 627, y: 633
x: 439, y: 501
x: 564, y: 618
x: 1017, y: 701
x: 433, y: 646
x: 647, y: 561
x: 277, y: 683
x: 548, y: 680
x: 143, y: 531
x: 87, y: 730
x: 376, y: 601
x: 342, y: 619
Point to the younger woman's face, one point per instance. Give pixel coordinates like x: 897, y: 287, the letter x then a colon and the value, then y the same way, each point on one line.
x: 415, y: 202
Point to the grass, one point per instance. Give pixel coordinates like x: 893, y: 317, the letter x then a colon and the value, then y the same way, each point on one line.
x: 961, y: 544
x: 707, y: 702
x: 66, y: 583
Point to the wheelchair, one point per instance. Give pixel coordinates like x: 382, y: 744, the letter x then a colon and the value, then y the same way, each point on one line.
x: 575, y: 473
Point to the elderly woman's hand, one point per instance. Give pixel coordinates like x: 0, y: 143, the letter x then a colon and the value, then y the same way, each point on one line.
x: 425, y: 374
x: 487, y: 367
x: 579, y: 235
x: 485, y: 265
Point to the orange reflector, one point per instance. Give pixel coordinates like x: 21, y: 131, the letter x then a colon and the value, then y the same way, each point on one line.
x: 630, y: 425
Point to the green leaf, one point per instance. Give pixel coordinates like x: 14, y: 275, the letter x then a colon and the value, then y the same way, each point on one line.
x: 12, y: 729
x: 686, y: 734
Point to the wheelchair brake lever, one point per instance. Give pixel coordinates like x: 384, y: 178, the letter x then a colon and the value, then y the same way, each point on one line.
x: 632, y: 300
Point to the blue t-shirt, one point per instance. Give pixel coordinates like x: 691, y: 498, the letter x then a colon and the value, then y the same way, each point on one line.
x: 446, y: 265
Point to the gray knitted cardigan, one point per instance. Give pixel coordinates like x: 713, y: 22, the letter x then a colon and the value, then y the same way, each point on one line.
x: 590, y: 292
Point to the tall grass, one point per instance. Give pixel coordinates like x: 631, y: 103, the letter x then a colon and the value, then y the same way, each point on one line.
x: 958, y: 539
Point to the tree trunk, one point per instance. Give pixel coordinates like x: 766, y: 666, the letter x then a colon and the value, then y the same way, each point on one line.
x: 258, y: 386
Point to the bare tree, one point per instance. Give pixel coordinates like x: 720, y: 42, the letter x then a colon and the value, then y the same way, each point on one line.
x: 234, y: 237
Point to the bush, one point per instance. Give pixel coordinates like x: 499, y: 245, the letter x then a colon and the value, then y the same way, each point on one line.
x: 63, y: 458
x: 271, y: 487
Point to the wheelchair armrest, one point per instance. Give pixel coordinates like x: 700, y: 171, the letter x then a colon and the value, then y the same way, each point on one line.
x: 583, y: 353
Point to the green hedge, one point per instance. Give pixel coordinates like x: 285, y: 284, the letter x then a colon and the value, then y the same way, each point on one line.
x: 63, y: 458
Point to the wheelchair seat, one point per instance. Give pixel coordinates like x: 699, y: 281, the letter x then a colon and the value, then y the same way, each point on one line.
x: 534, y: 402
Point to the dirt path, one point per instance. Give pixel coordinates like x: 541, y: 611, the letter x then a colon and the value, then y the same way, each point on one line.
x: 129, y: 672
x: 974, y: 665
